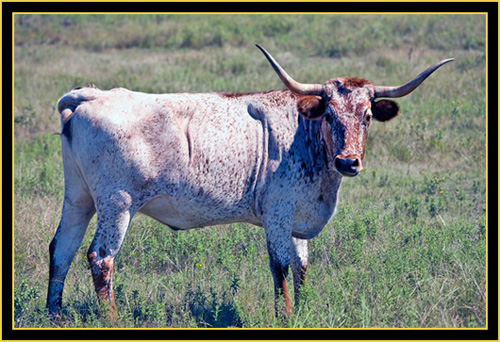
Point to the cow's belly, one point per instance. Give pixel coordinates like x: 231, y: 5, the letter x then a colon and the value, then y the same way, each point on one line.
x: 184, y: 213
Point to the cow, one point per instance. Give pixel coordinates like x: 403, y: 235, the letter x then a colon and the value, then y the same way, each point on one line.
x: 272, y: 159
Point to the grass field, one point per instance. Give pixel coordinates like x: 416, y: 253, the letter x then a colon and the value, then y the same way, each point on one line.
x: 407, y: 247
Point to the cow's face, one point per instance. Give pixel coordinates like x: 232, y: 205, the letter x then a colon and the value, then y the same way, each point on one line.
x: 345, y: 107
x: 346, y: 110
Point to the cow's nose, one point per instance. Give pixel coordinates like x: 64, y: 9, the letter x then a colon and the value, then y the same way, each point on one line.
x: 348, y: 166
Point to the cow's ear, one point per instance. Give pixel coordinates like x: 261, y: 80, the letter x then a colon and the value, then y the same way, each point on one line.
x: 385, y: 110
x: 311, y: 107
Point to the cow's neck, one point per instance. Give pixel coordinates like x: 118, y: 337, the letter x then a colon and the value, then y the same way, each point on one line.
x: 312, y: 140
x: 315, y: 184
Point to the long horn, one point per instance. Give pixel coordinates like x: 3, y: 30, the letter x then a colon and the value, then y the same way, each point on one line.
x: 405, y: 89
x: 290, y: 83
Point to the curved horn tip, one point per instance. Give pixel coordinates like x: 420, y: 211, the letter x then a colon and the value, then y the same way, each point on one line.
x: 447, y: 60
x: 405, y: 89
x: 260, y: 47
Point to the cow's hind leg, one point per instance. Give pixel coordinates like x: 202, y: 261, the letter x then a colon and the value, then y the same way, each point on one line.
x: 299, y: 256
x: 76, y: 214
x: 113, y: 219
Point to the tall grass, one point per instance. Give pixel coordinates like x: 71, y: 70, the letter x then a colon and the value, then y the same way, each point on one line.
x: 407, y: 246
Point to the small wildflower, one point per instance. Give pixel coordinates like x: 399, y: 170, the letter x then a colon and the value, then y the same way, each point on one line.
x: 198, y: 264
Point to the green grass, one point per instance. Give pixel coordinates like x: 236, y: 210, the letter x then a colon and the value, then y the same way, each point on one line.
x: 407, y: 246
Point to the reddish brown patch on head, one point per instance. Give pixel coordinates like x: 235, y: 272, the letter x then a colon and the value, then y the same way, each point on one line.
x: 354, y: 82
x: 345, y: 127
x: 346, y: 85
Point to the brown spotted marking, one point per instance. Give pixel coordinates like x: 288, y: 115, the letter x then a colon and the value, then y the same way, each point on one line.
x: 102, y: 274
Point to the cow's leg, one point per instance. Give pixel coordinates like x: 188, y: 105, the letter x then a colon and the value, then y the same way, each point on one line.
x: 298, y: 260
x: 278, y: 246
x: 76, y: 214
x: 113, y: 219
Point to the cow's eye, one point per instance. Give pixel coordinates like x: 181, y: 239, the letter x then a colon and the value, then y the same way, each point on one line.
x: 368, y: 117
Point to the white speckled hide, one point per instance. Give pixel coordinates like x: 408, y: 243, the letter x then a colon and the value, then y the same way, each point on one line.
x: 274, y: 159
x: 195, y: 160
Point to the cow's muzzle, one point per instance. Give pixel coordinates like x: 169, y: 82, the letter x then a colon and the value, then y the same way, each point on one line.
x: 348, y: 166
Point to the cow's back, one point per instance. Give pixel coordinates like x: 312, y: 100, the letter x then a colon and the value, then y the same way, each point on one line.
x: 192, y: 159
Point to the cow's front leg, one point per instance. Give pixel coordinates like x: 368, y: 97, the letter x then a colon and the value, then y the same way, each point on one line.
x: 299, y: 256
x: 278, y: 247
x: 113, y: 220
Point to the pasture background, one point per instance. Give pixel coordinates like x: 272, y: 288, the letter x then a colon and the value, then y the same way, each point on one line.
x: 407, y: 246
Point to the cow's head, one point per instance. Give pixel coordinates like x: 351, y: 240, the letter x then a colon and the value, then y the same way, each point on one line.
x: 346, y: 106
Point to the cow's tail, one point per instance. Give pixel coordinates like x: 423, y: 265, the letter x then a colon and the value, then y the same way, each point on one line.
x: 68, y: 104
